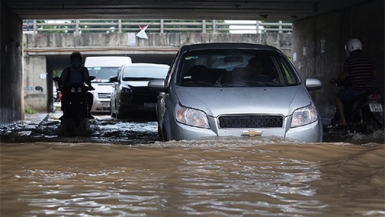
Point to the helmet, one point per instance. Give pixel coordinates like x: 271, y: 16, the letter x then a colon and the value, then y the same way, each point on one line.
x: 353, y: 44
x: 76, y: 55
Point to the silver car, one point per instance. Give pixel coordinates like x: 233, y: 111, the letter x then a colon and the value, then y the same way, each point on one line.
x: 235, y: 89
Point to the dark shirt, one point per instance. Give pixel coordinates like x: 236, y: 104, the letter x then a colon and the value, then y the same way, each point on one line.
x: 70, y: 76
x: 360, y: 72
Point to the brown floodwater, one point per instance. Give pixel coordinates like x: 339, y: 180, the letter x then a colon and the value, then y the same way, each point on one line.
x: 219, y: 177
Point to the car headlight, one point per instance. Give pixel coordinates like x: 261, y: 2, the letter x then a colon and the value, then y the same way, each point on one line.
x: 191, y: 117
x: 126, y: 90
x: 304, y: 115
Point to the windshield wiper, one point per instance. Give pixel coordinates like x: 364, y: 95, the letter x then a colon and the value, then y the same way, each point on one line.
x: 197, y: 83
x: 136, y: 79
x: 263, y: 83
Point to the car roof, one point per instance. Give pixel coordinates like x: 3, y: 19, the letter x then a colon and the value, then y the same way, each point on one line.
x: 107, y: 61
x: 227, y: 45
x: 146, y: 64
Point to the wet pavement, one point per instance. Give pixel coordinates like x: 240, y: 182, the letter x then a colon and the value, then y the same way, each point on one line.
x: 103, y: 129
x: 139, y: 129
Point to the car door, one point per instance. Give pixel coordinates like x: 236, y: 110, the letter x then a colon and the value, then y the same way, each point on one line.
x: 116, y: 92
x: 164, y: 114
x: 118, y: 89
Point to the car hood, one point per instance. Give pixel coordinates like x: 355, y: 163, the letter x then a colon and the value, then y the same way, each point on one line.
x: 136, y: 83
x: 244, y: 100
x: 103, y: 87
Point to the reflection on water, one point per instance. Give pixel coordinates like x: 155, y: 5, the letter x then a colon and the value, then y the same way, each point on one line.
x: 231, y: 177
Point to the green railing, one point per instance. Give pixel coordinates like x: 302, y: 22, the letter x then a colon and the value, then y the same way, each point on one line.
x: 156, y: 26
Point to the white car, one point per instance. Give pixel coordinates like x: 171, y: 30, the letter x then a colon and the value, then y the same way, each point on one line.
x: 103, y: 67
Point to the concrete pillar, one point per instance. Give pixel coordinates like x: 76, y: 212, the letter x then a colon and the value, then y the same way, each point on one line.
x: 77, y: 27
x: 161, y: 26
x: 119, y: 26
x: 203, y: 26
x: 11, y: 103
x: 50, y: 91
x: 35, y: 83
x: 34, y: 26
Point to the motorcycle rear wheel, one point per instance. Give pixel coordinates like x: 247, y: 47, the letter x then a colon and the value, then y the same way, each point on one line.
x: 370, y: 124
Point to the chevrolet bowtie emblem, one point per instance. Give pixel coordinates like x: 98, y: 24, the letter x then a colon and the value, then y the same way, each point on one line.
x: 252, y: 133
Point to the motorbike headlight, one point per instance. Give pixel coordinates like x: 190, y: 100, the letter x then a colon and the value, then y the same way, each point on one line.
x: 191, y: 117
x: 73, y: 90
x: 79, y: 89
x: 304, y: 116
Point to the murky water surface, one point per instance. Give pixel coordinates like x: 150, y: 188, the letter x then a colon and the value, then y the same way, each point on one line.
x: 215, y: 177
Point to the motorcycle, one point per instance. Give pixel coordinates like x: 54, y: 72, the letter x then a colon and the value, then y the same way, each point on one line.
x: 75, y: 111
x: 363, y: 114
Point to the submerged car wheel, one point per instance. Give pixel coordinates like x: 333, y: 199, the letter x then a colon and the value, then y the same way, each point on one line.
x: 119, y: 114
x: 112, y: 111
x: 162, y: 134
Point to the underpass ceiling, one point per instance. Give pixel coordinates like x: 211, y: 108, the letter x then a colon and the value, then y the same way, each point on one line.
x: 287, y: 10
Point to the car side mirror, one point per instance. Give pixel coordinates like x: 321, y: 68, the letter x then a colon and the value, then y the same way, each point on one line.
x: 157, y: 85
x: 91, y: 78
x: 113, y: 79
x: 313, y: 84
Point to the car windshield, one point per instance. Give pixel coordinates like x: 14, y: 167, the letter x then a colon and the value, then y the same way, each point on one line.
x: 102, y: 74
x: 132, y: 72
x: 235, y: 67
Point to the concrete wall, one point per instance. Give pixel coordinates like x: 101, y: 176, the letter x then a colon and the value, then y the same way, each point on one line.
x: 47, y: 44
x: 318, y: 47
x: 37, y: 46
x: 11, y: 100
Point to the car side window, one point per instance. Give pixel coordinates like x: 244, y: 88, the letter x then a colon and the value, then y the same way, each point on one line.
x: 171, y: 70
x: 286, y: 72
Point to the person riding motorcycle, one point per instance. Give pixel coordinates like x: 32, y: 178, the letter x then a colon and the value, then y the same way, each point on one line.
x: 75, y: 74
x: 358, y: 73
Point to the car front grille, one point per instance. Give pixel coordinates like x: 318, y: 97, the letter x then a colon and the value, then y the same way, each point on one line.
x: 143, y: 95
x: 250, y: 121
x: 104, y: 95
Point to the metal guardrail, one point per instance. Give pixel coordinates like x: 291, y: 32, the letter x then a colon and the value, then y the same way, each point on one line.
x: 157, y: 26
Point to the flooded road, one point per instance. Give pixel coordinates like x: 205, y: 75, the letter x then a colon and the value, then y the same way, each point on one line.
x: 103, y: 129
x: 122, y: 170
